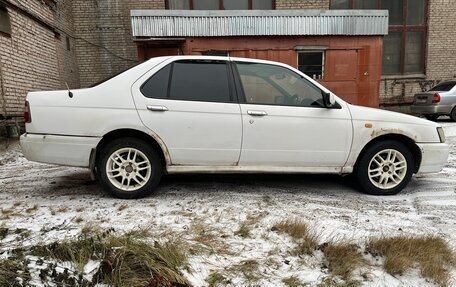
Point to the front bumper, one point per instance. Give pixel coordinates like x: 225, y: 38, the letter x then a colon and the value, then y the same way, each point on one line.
x: 61, y: 150
x: 431, y: 110
x: 434, y: 156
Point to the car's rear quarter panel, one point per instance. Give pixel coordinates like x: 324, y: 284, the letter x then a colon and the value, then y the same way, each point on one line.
x: 90, y: 112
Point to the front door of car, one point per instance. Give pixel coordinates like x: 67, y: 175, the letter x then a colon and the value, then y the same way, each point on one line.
x: 285, y: 122
x: 191, y: 106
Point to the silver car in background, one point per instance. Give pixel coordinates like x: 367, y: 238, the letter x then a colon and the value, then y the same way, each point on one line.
x: 438, y: 101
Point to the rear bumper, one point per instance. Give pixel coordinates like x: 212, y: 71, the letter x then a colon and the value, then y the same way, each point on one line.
x: 434, y: 109
x: 61, y: 150
x: 434, y: 156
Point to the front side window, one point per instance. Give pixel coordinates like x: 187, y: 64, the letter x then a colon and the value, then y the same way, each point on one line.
x: 220, y: 4
x: 190, y: 80
x: 404, y: 46
x: 275, y: 85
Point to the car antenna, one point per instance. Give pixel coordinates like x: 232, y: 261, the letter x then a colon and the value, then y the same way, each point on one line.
x: 70, y: 94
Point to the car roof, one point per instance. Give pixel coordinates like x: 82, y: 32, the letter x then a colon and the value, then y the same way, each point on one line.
x: 224, y: 58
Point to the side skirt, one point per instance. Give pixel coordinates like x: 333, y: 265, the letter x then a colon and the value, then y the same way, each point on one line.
x: 253, y: 169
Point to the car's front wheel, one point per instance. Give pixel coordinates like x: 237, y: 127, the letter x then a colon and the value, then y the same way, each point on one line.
x: 385, y: 168
x: 128, y: 168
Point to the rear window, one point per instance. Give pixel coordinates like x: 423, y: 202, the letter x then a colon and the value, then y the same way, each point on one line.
x: 444, y: 87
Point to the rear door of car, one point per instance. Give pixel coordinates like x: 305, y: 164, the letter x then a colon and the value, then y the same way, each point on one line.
x: 191, y: 105
x: 285, y: 123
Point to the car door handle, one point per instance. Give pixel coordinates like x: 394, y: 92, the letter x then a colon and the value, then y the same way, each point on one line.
x: 157, y: 108
x: 257, y: 113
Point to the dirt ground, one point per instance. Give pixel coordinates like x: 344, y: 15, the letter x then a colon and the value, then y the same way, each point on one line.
x: 55, y: 202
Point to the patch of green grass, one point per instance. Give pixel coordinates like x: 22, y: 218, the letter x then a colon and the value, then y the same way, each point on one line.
x: 80, y: 209
x: 8, y: 212
x: 330, y: 281
x: 248, y: 269
x: 63, y: 209
x: 78, y: 251
x: 3, y: 232
x: 343, y: 259
x: 23, y: 233
x: 292, y: 281
x: 32, y: 209
x: 13, y: 269
x: 306, y: 240
x: 136, y: 263
x: 208, y: 238
x: 432, y: 254
x: 78, y: 219
x: 126, y: 260
x: 216, y: 279
x: 122, y: 207
x: 243, y: 231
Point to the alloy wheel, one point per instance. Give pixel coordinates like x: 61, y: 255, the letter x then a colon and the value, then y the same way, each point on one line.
x: 387, y: 169
x: 128, y: 169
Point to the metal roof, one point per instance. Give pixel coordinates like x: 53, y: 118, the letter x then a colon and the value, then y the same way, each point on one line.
x: 193, y: 23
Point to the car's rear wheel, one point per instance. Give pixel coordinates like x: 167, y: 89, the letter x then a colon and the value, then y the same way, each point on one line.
x: 129, y: 168
x: 453, y: 114
x: 385, y: 168
x: 431, y: 117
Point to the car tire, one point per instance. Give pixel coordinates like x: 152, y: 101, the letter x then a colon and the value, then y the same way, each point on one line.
x: 453, y: 114
x: 431, y: 117
x: 385, y: 168
x: 129, y: 168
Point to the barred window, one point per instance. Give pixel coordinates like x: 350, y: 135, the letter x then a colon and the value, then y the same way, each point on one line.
x: 404, y: 46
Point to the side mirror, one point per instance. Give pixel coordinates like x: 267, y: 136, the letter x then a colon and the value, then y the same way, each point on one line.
x: 328, y: 99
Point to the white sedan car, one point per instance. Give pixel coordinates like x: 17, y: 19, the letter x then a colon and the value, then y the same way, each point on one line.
x: 200, y: 114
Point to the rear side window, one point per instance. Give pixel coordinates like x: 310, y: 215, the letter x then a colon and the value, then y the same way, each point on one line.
x: 190, y: 80
x: 157, y: 85
x: 444, y: 87
x: 200, y: 81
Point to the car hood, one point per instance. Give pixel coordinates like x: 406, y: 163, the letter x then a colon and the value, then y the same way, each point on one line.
x: 378, y: 115
x: 369, y: 123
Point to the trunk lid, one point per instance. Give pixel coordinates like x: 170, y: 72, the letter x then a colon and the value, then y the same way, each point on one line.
x: 424, y: 99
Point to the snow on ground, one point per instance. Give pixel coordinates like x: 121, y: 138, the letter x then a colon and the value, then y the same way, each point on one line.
x: 56, y: 202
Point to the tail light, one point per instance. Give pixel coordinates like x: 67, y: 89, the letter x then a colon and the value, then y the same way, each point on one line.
x: 27, y: 115
x: 436, y: 98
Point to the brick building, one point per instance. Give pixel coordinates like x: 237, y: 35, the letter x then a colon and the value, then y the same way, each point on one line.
x: 45, y: 44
